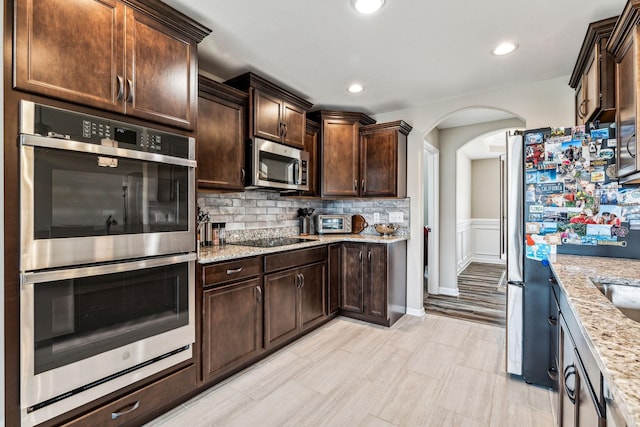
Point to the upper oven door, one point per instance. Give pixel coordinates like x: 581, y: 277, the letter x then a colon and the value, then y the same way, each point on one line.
x: 84, y: 203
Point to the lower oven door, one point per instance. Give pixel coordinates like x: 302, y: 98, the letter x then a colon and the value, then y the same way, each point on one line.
x: 88, y: 331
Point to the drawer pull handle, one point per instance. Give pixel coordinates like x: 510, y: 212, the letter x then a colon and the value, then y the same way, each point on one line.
x: 125, y: 410
x: 130, y: 87
x: 234, y: 271
x: 553, y: 320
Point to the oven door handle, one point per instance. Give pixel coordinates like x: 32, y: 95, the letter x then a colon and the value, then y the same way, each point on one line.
x: 94, y: 270
x: 102, y: 150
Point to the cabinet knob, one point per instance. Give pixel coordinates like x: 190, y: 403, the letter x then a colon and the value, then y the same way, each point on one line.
x: 553, y: 320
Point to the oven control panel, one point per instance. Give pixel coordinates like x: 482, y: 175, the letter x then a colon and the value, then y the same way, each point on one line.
x: 64, y: 124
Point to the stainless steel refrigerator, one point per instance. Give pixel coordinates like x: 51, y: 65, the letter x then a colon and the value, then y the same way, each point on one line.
x: 563, y: 197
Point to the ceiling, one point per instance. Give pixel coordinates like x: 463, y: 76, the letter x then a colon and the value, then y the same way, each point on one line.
x: 410, y: 53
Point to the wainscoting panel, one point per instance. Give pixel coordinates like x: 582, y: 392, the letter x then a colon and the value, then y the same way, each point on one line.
x: 478, y: 240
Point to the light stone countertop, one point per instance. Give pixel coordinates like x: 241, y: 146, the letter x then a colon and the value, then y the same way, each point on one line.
x: 613, y: 338
x: 207, y: 255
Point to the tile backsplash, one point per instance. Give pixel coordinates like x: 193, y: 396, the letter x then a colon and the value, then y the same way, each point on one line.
x: 256, y: 214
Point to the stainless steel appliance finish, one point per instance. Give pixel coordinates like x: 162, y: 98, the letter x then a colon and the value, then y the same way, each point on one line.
x: 95, y: 190
x: 91, y: 330
x: 333, y: 224
x: 277, y: 166
x: 515, y: 237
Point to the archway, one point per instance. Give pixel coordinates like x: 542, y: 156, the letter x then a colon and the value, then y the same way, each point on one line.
x: 452, y: 132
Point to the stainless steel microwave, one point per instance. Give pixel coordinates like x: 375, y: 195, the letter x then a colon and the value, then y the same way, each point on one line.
x: 333, y: 224
x: 274, y: 165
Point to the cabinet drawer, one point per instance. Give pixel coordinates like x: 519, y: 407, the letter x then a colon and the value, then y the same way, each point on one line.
x: 294, y: 258
x: 231, y: 270
x: 137, y: 407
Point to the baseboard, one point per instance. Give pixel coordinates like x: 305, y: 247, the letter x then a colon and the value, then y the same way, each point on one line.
x: 451, y: 292
x: 487, y: 260
x: 417, y: 312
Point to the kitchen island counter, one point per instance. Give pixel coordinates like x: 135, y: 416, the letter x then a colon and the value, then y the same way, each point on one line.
x: 613, y: 338
x: 230, y: 251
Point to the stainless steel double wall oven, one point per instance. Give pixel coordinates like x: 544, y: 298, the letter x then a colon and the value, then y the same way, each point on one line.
x: 107, y: 256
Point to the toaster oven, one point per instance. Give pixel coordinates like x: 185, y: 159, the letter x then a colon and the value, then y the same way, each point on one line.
x: 327, y: 224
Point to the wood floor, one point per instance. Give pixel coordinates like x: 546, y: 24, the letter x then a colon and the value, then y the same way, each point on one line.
x: 423, y: 371
x: 481, y: 298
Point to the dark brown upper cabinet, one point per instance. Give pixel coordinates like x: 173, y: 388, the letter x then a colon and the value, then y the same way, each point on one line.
x: 138, y: 58
x: 339, y: 152
x: 383, y: 159
x: 274, y: 113
x: 220, y: 142
x: 593, y: 75
x: 624, y: 45
x: 358, y: 158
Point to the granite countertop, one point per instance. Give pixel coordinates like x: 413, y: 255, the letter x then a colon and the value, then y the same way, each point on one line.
x: 613, y: 338
x: 229, y: 251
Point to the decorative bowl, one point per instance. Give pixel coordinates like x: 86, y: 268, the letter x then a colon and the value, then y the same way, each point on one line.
x: 386, y: 229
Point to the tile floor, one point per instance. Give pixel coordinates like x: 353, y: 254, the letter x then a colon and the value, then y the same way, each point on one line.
x: 430, y: 371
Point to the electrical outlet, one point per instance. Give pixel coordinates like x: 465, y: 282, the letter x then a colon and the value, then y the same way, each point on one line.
x: 376, y: 217
x: 396, y: 217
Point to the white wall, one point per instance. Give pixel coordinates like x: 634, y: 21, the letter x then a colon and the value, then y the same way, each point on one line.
x: 542, y: 103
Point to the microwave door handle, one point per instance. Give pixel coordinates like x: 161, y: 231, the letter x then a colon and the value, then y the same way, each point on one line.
x: 296, y: 172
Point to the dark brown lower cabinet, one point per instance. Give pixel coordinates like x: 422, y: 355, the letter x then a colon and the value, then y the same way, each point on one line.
x: 294, y: 301
x: 232, y: 319
x: 294, y: 294
x: 142, y: 405
x: 374, y: 281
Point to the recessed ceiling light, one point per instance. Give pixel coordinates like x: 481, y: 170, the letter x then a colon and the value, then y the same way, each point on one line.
x: 355, y: 88
x: 367, y: 6
x: 504, y: 48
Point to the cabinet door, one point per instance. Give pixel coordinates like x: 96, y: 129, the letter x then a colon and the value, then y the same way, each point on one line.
x: 232, y: 327
x: 569, y: 383
x: 379, y: 161
x: 376, y: 281
x: 161, y: 79
x: 591, y: 83
x: 294, y: 126
x: 335, y: 277
x: 312, y: 294
x: 340, y: 158
x: 267, y: 116
x: 353, y: 277
x: 626, y: 96
x: 71, y: 50
x: 281, y: 302
x: 220, y: 144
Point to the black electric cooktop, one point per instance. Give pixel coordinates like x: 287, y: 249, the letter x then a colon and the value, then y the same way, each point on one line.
x: 271, y: 242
